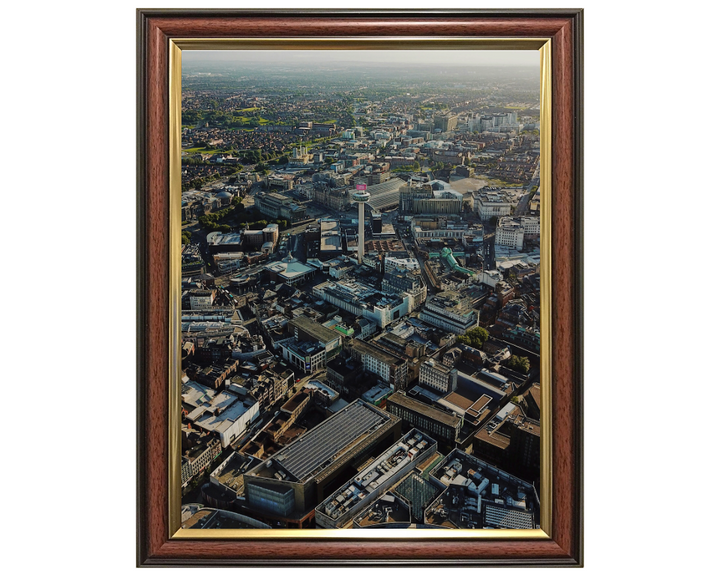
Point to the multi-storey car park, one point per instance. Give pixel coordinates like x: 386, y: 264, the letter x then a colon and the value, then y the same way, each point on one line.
x: 338, y: 510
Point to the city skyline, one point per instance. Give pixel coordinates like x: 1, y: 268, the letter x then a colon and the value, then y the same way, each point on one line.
x: 473, y: 58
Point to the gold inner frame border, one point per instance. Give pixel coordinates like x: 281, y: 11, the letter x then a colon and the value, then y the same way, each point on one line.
x: 544, y: 47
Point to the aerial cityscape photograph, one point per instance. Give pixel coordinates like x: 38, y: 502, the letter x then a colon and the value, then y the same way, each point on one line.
x: 354, y: 286
x: 360, y: 299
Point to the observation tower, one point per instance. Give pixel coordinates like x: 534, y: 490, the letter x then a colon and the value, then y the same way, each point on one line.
x: 361, y: 197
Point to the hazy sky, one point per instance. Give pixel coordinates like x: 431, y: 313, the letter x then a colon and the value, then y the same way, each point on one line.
x: 444, y: 57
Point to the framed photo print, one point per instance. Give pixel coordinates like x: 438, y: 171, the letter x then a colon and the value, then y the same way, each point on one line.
x: 360, y: 287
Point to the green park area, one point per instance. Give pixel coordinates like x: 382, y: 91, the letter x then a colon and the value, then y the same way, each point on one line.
x: 202, y: 150
x: 499, y: 183
x: 245, y: 118
x: 236, y: 216
x: 250, y: 120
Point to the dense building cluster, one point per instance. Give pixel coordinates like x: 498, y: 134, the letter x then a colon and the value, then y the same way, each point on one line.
x: 360, y: 311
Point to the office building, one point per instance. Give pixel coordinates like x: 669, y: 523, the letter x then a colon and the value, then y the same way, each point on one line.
x: 290, y: 271
x: 365, y: 301
x: 534, y: 204
x: 442, y: 228
x: 450, y: 311
x: 271, y: 233
x: 400, y: 263
x: 345, y: 374
x: 390, y: 367
x: 418, y: 492
x: 512, y: 232
x: 512, y: 442
x: 278, y: 206
x: 201, y: 299
x: 437, y: 423
x: 307, y: 357
x: 228, y: 476
x: 480, y: 495
x: 307, y: 330
x: 330, y: 239
x: 268, y: 386
x: 281, y: 181
x: 504, y: 122
x: 218, y: 242
x: 377, y: 224
x: 438, y: 376
x: 445, y: 122
x: 388, y: 511
x: 492, y: 202
x: 399, y: 281
x: 435, y: 197
x: 300, y: 157
x: 199, y: 450
x: 509, y: 233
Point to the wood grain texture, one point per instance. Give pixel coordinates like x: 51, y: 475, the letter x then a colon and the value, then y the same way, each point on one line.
x: 562, y: 277
x: 154, y: 30
x: 258, y: 26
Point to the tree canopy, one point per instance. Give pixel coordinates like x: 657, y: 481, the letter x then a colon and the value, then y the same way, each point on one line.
x: 475, y: 337
x: 519, y: 364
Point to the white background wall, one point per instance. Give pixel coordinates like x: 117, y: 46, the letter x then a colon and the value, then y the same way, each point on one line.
x: 68, y: 133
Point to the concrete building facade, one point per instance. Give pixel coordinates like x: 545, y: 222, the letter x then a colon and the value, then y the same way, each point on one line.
x: 438, y: 376
x: 289, y: 485
x: 389, y: 367
x: 435, y: 422
x: 492, y: 202
x: 449, y: 311
x: 279, y: 206
x: 338, y: 510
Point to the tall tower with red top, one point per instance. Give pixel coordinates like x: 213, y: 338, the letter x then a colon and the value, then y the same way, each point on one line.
x: 361, y: 197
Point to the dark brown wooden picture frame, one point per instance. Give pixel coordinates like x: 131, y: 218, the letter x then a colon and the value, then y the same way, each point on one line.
x: 155, y: 28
